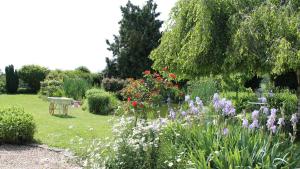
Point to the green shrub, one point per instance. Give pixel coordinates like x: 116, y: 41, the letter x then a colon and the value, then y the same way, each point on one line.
x: 113, y: 85
x: 283, y: 99
x: 11, y: 79
x: 16, y: 126
x: 203, y: 88
x: 75, y: 87
x: 52, y: 86
x: 100, y: 102
x: 2, y: 84
x: 33, y: 75
x: 242, y: 102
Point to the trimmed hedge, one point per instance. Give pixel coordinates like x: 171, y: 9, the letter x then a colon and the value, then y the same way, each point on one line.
x: 16, y: 126
x: 100, y: 102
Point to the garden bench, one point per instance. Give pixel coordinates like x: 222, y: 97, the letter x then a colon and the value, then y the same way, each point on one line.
x: 60, y: 103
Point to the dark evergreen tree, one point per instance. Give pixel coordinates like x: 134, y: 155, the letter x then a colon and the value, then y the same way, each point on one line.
x: 139, y: 34
x: 12, y: 79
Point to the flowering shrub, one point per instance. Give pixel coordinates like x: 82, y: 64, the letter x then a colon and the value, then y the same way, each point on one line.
x: 152, y: 90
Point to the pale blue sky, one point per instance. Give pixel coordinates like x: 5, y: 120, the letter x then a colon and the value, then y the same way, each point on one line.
x: 61, y: 34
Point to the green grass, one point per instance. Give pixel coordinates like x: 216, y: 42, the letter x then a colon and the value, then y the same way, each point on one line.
x: 58, y: 131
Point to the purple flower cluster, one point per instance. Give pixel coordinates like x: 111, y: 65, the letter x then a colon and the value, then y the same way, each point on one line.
x: 254, y: 124
x: 271, y: 121
x: 194, y: 108
x: 262, y: 99
x: 222, y: 105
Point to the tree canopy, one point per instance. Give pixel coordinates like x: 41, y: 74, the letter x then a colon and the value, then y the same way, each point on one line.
x: 139, y: 33
x: 221, y: 36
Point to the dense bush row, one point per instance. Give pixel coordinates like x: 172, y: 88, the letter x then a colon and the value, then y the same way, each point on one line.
x: 16, y: 126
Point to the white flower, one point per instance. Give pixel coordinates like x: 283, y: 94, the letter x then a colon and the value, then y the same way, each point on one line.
x: 170, y: 164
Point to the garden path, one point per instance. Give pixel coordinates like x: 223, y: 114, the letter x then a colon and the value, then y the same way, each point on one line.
x: 34, y: 157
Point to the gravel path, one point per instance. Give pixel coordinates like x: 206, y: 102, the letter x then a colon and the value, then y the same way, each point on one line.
x: 29, y: 157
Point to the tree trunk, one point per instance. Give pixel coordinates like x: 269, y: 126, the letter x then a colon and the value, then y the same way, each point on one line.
x: 298, y: 91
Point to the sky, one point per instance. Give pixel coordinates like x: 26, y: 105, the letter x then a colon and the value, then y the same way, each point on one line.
x: 62, y: 34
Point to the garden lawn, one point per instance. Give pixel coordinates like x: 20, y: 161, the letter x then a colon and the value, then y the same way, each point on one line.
x: 72, y: 132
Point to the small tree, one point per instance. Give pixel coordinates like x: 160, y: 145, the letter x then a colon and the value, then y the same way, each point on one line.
x: 83, y: 69
x: 33, y: 75
x: 139, y: 34
x: 12, y: 79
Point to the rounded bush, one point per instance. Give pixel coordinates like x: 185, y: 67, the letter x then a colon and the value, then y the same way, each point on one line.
x: 113, y: 85
x: 100, y: 102
x: 16, y: 126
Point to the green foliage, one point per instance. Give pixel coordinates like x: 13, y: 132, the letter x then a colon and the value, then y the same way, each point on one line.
x: 285, y: 100
x: 139, y: 33
x: 83, y: 69
x: 268, y: 40
x: 33, y: 75
x: 2, y: 84
x: 206, y: 147
x: 97, y: 79
x: 113, y: 85
x: 16, y: 126
x: 198, y: 34
x: 52, y: 86
x: 75, y: 87
x: 100, y: 102
x: 204, y: 88
x: 241, y: 101
x: 12, y: 79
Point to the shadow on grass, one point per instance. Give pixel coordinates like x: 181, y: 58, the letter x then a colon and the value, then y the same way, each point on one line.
x: 64, y: 116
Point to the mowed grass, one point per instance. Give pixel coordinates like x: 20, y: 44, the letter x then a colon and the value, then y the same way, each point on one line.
x: 72, y: 132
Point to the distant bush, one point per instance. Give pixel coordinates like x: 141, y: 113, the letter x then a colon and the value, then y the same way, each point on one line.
x: 52, y: 86
x: 100, y: 102
x: 242, y: 102
x: 113, y: 85
x: 75, y: 87
x: 83, y: 69
x: 33, y: 75
x: 2, y: 84
x: 203, y: 88
x: 16, y: 126
x: 97, y: 79
x: 12, y: 79
x: 283, y: 99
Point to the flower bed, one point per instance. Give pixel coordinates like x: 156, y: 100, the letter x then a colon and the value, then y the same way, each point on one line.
x: 194, y: 136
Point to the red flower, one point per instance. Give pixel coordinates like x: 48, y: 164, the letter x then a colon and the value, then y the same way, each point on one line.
x: 172, y: 75
x: 147, y: 72
x: 128, y: 99
x: 159, y: 79
x: 134, y: 103
x: 165, y: 68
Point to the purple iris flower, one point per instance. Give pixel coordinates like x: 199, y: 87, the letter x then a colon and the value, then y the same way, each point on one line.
x: 225, y: 131
x: 245, y: 123
x: 172, y: 114
x: 255, y: 114
x: 281, y: 122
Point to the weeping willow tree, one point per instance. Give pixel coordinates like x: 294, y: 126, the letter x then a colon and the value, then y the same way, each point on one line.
x: 268, y: 41
x: 231, y: 36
